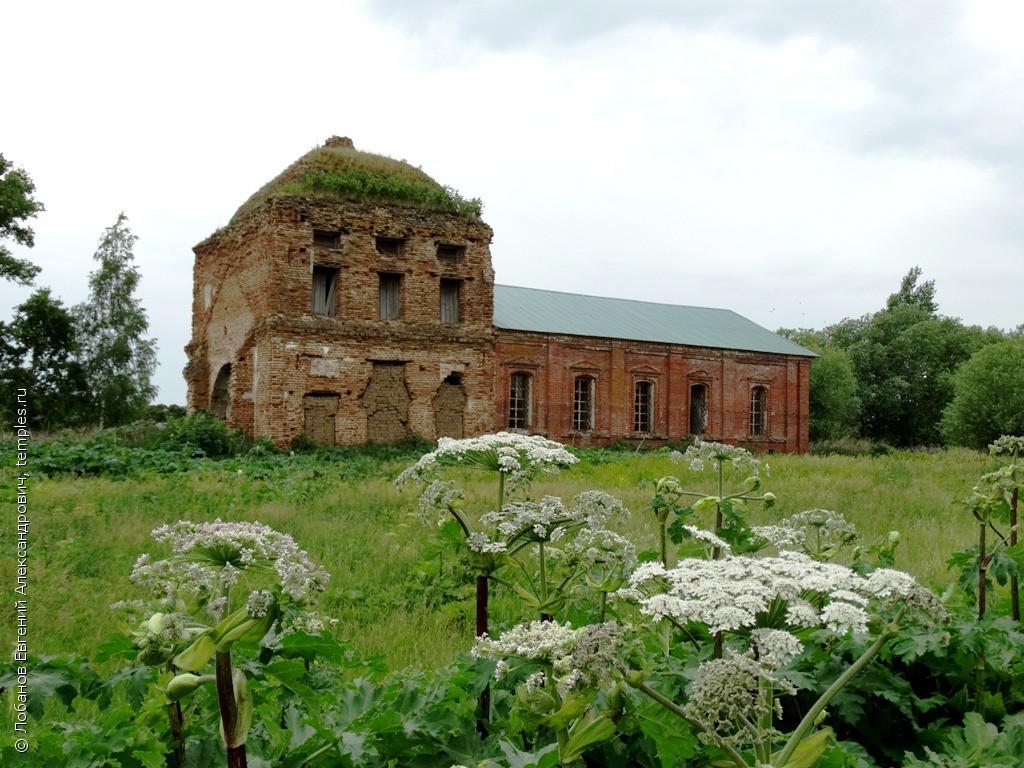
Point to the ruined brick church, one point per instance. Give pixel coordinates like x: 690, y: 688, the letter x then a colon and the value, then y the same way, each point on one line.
x: 352, y: 298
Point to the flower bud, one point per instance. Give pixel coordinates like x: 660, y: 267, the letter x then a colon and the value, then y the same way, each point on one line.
x: 183, y: 685
x: 752, y: 483
x: 768, y: 499
x: 635, y: 677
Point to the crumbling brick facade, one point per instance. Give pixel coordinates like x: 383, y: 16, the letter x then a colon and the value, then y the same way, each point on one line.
x: 355, y: 321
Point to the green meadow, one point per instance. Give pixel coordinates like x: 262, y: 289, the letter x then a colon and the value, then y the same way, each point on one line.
x: 385, y: 591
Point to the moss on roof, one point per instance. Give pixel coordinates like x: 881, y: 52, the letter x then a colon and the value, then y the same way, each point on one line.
x: 338, y: 170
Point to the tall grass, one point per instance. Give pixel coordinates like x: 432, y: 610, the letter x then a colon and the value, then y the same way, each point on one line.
x: 87, y: 532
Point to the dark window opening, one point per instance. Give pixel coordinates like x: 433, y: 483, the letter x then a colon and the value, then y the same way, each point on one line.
x: 322, y: 238
x: 450, y: 253
x: 325, y: 291
x: 390, y: 246
x: 221, y: 398
x: 519, y: 401
x: 758, y: 411
x: 450, y: 301
x: 583, y: 404
x: 643, y: 411
x: 698, y: 409
x: 389, y: 298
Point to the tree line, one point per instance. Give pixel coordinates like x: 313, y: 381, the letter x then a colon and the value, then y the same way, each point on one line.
x: 907, y: 375
x: 90, y: 364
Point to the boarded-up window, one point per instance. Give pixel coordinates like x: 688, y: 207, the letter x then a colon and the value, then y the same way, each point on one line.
x: 643, y: 407
x: 583, y: 403
x: 319, y: 413
x: 326, y: 240
x: 450, y: 407
x: 450, y: 301
x: 325, y: 290
x: 698, y: 409
x: 758, y: 411
x: 449, y: 253
x: 519, y: 401
x: 389, y: 246
x: 389, y: 299
x: 386, y: 400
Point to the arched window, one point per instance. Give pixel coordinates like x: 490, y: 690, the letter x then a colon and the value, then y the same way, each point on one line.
x: 583, y: 403
x: 698, y: 409
x: 643, y: 407
x: 221, y: 398
x: 758, y: 411
x: 519, y: 401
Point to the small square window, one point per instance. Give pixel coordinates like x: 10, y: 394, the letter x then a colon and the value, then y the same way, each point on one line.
x: 390, y: 246
x: 323, y: 238
x: 450, y: 254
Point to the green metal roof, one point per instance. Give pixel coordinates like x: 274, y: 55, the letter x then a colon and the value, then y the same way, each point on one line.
x: 531, y: 309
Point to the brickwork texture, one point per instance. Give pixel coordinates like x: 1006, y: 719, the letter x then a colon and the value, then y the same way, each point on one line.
x: 352, y: 321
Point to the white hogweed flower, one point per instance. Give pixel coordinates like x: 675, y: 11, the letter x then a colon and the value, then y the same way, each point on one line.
x: 259, y: 603
x: 720, y: 455
x: 579, y: 658
x: 482, y: 544
x: 732, y: 593
x: 727, y: 696
x: 210, y: 557
x: 514, y: 455
x: 775, y: 647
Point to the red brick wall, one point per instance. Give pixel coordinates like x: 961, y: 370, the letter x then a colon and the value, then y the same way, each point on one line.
x: 554, y: 361
x: 257, y: 315
x: 252, y: 309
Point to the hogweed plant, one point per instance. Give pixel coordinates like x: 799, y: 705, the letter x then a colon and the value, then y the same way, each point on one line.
x: 1007, y: 450
x: 232, y: 583
x: 515, y: 460
x: 993, y: 502
x: 767, y: 606
x: 570, y: 667
x: 728, y: 464
x: 819, y: 533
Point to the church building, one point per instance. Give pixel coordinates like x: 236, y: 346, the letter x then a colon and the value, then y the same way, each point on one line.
x: 352, y: 299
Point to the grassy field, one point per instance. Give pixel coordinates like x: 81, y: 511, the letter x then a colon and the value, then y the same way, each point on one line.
x: 87, y: 532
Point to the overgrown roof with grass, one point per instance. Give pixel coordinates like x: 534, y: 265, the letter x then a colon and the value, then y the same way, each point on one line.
x: 340, y: 171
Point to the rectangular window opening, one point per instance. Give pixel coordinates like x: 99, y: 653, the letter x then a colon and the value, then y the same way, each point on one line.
x: 643, y: 416
x: 698, y: 409
x: 390, y: 246
x: 450, y: 301
x: 583, y: 404
x: 758, y: 411
x: 326, y: 239
x: 519, y: 401
x: 449, y: 253
x: 389, y: 299
x: 325, y: 291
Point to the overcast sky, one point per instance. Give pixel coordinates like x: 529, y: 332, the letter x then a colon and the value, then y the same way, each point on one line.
x: 788, y: 160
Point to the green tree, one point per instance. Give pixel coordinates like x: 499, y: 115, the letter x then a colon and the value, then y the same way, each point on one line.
x: 16, y: 205
x: 118, y: 361
x: 835, y: 406
x: 989, y: 396
x: 904, y: 358
x: 38, y: 351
